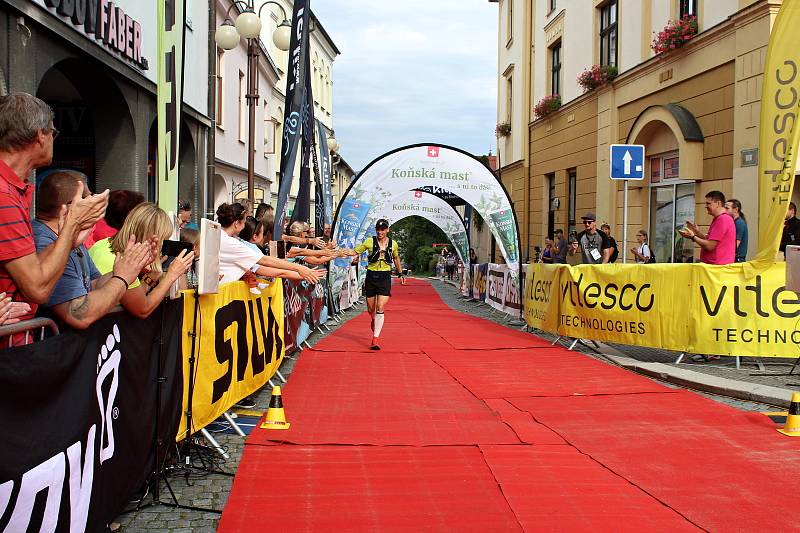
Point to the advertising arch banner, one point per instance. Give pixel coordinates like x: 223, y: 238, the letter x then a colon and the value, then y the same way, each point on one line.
x: 428, y: 165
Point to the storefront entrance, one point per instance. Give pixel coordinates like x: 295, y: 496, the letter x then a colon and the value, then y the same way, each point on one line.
x: 74, y: 148
x: 671, y: 205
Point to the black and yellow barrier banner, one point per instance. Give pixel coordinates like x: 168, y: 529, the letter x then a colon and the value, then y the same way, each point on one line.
x: 691, y: 308
x: 239, y: 348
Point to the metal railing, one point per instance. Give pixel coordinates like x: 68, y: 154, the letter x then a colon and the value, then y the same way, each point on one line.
x: 28, y: 328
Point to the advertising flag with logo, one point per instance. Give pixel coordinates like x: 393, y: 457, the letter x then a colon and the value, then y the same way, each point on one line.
x: 780, y: 133
x: 294, y: 108
x: 169, y: 98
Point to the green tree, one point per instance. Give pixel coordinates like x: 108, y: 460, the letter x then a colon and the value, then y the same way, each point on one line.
x: 415, y: 236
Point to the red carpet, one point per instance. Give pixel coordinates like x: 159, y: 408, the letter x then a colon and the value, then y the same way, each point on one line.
x: 459, y: 424
x: 393, y: 398
x: 539, y: 372
x: 366, y: 488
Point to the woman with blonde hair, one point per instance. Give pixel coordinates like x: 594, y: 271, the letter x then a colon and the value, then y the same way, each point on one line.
x: 145, y: 222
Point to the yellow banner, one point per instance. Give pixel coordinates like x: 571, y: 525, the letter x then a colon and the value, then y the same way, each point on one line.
x: 542, y: 280
x: 239, y: 346
x: 780, y: 134
x: 691, y: 308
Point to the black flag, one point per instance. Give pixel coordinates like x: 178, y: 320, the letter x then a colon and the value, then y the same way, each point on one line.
x: 293, y: 107
x: 326, y: 191
x: 302, y: 205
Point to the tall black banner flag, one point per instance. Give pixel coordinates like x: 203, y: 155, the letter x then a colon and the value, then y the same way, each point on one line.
x: 293, y: 107
x: 326, y: 170
x: 302, y: 205
x: 80, y: 409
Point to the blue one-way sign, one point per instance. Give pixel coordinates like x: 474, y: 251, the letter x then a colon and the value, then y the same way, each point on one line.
x: 627, y: 162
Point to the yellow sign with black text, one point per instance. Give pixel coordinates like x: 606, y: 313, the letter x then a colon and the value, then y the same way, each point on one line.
x: 239, y: 346
x: 691, y: 308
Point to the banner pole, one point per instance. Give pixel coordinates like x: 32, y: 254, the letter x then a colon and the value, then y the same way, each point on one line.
x: 625, y: 224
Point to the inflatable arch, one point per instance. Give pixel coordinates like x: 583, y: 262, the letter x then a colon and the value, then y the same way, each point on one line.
x: 427, y: 165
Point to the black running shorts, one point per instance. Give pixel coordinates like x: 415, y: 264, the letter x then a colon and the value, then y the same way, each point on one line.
x: 378, y: 283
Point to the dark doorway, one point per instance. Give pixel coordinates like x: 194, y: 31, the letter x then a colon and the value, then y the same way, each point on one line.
x: 74, y: 148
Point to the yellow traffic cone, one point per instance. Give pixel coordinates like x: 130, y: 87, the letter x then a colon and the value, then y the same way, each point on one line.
x: 792, y: 427
x: 275, y: 416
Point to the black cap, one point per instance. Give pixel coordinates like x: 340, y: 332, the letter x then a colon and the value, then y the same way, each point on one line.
x: 382, y: 223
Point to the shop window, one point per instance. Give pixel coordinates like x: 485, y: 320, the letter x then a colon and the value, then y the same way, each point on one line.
x: 671, y: 205
x: 688, y: 8
x: 555, y: 68
x: 608, y: 33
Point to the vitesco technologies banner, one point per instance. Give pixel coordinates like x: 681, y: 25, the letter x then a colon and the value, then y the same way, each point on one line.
x: 692, y: 308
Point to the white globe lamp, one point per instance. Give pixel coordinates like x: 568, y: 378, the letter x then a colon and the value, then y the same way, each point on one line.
x: 226, y: 36
x: 248, y: 25
x: 282, y: 35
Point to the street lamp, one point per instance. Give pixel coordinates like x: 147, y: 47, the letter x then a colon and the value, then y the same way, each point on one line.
x: 333, y: 144
x: 227, y: 36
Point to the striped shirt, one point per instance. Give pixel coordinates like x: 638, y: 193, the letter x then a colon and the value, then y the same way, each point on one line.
x: 16, y: 236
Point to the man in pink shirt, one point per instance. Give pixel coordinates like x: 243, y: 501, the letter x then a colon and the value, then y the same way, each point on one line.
x: 719, y: 246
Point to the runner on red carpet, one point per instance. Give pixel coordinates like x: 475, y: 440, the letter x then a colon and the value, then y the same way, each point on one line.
x: 378, y: 286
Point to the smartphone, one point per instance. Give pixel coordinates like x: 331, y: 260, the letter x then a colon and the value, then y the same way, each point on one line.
x: 174, y: 248
x: 281, y: 250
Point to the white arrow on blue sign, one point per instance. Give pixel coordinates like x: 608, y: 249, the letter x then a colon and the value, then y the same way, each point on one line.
x: 627, y: 162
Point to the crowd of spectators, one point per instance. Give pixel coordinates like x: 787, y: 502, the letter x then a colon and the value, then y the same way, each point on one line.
x: 84, y: 254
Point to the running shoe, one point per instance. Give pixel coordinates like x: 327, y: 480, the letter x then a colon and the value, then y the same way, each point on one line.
x: 374, y: 344
x: 246, y: 403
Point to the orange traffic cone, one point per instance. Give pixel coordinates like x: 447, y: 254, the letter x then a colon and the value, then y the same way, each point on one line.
x: 276, y: 419
x: 792, y: 427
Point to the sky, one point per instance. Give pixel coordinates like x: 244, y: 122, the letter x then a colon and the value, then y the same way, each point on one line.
x: 412, y: 71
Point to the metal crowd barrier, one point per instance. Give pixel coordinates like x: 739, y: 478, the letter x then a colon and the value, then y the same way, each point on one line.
x: 29, y: 328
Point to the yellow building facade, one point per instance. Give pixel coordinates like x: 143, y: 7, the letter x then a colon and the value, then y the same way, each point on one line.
x: 695, y: 109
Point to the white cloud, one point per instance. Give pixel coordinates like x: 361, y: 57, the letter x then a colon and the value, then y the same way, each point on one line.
x: 412, y: 71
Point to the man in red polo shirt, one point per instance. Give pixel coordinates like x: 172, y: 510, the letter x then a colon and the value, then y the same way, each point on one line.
x: 26, y: 143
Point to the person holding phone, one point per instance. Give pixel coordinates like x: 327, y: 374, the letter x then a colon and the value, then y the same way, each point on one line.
x: 594, y: 245
x: 378, y: 286
x: 145, y: 223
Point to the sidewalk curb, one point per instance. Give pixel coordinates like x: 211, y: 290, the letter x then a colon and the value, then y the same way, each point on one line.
x: 706, y: 383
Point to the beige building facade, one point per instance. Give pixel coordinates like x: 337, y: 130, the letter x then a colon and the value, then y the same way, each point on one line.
x: 230, y: 180
x: 695, y: 109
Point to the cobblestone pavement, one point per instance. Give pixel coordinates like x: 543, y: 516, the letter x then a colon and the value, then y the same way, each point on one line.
x: 210, y: 490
